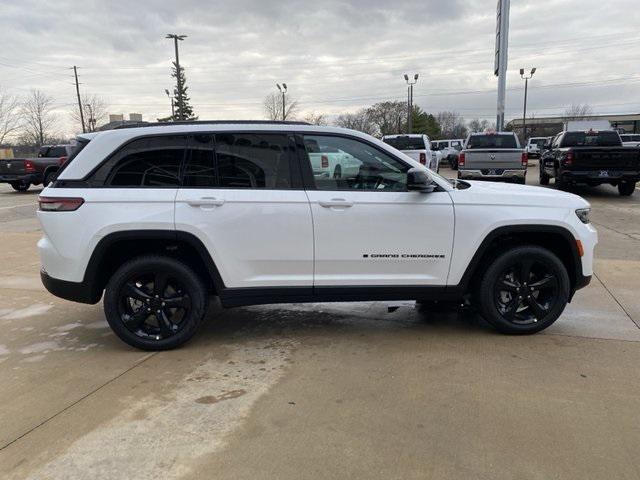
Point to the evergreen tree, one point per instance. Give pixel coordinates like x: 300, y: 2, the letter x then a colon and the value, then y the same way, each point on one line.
x: 425, y: 123
x: 187, y: 109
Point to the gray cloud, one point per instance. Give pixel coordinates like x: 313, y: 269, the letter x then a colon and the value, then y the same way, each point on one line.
x: 334, y: 55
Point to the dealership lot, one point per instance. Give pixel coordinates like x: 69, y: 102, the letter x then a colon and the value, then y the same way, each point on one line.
x: 332, y: 391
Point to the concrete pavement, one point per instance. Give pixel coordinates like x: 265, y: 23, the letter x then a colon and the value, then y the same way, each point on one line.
x: 323, y: 391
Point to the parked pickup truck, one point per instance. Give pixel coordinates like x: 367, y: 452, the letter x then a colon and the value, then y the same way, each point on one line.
x: 21, y: 173
x: 493, y: 156
x: 592, y: 158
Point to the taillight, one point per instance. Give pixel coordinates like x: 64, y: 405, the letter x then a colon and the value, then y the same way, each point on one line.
x: 29, y: 167
x: 61, y: 160
x: 423, y: 158
x: 525, y: 159
x: 461, y: 160
x: 568, y: 159
x: 324, y: 161
x: 60, y: 204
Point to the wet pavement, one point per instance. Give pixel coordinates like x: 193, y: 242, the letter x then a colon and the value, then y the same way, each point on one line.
x: 324, y: 390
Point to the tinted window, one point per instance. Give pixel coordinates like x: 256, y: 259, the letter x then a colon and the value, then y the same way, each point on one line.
x: 353, y: 165
x: 406, y: 143
x: 199, y: 169
x: 149, y: 162
x: 492, y: 141
x: 591, y: 139
x: 630, y: 138
x: 253, y: 160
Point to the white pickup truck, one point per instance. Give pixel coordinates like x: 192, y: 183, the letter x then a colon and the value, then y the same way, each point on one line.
x: 416, y: 146
x: 493, y: 156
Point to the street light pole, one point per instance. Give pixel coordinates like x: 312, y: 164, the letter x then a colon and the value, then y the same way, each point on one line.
x: 526, y: 78
x: 410, y: 84
x: 283, y: 90
x: 177, y: 38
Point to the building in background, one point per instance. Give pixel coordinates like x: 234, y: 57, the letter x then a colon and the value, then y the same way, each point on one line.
x: 118, y: 120
x: 549, y: 126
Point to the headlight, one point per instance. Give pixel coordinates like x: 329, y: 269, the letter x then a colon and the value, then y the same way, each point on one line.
x: 583, y: 214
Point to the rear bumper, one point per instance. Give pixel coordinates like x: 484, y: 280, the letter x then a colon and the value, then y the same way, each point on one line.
x: 499, y: 174
x: 76, y: 292
x: 24, y: 178
x: 600, y: 176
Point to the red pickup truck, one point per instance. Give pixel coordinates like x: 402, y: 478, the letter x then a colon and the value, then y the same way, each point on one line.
x: 21, y: 173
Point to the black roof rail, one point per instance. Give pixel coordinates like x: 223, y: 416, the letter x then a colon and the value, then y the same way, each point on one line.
x: 208, y: 122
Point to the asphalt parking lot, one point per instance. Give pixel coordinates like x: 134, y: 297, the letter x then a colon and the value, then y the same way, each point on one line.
x: 324, y: 391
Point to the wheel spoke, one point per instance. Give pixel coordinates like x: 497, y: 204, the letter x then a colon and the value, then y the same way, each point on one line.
x: 166, y: 327
x: 547, y: 282
x: 511, y: 308
x: 160, y: 283
x: 525, y: 271
x: 538, y: 310
x: 131, y: 290
x: 506, y: 285
x: 182, y: 301
x: 134, y: 321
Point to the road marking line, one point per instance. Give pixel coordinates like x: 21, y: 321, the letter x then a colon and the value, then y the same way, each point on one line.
x: 21, y: 205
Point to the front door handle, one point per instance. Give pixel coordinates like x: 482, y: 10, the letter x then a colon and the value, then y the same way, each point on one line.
x: 335, y: 202
x: 206, y: 202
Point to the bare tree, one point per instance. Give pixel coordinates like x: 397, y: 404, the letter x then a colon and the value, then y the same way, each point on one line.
x: 94, y: 109
x: 37, y: 111
x: 316, y: 118
x: 578, y: 111
x: 388, y: 117
x: 452, y: 124
x: 476, y: 125
x: 9, y: 115
x: 273, y: 107
x: 359, y: 120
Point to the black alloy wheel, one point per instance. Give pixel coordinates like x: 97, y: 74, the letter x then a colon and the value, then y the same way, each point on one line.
x: 155, y: 302
x: 524, y: 290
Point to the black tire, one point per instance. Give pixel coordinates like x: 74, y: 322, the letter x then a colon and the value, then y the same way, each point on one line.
x: 626, y: 189
x: 544, y: 178
x: 509, y: 300
x: 521, y: 181
x: 561, y: 184
x: 141, y: 289
x: 20, y: 186
x: 454, y: 163
x: 47, y: 178
x: 337, y: 172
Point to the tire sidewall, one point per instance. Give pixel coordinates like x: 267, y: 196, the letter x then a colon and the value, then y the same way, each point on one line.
x: 150, y: 264
x: 486, y: 294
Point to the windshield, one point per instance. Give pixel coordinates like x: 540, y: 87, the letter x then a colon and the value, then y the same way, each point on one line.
x: 591, y: 139
x: 492, y: 141
x: 406, y: 143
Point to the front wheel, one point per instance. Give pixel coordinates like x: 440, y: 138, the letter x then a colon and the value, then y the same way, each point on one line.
x: 20, y: 186
x: 544, y: 178
x: 626, y: 188
x: 524, y: 290
x: 155, y: 302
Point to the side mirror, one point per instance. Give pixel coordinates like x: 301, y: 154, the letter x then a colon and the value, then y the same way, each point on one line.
x: 419, y: 181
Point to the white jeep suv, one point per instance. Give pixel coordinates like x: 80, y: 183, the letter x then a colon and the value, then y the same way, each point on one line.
x: 160, y: 218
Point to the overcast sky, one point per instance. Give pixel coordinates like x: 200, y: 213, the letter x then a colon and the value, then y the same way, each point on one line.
x: 335, y: 56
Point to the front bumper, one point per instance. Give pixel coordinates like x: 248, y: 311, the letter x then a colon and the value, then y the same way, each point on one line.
x: 492, y: 174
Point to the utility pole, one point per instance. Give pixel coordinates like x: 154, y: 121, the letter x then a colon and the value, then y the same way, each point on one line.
x: 526, y: 78
x: 410, y: 101
x: 283, y: 90
x: 75, y: 72
x: 173, y: 110
x: 177, y: 38
x: 501, y: 57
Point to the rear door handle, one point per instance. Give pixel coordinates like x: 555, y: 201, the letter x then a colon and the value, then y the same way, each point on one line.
x: 206, y: 202
x: 335, y: 202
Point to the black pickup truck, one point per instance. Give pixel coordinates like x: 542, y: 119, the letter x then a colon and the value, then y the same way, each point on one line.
x: 21, y: 173
x: 591, y: 158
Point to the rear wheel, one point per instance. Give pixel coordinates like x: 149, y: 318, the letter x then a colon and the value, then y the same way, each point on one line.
x: 524, y: 290
x: 20, y: 186
x: 337, y: 173
x: 48, y: 178
x: 626, y: 188
x: 544, y: 178
x: 560, y: 183
x: 155, y: 302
